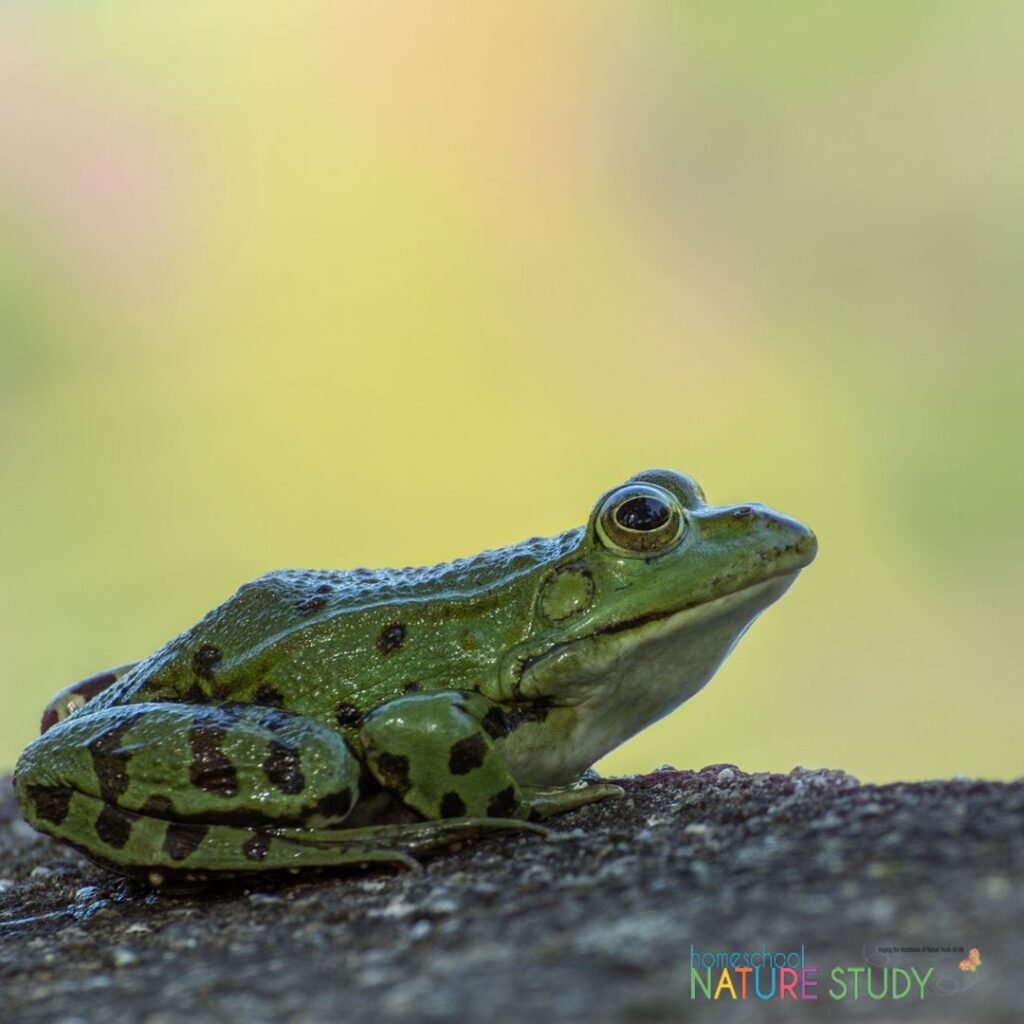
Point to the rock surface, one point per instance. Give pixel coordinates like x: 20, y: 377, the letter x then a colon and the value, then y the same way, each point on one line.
x: 596, y: 923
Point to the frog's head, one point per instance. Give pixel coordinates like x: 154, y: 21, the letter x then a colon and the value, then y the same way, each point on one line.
x: 640, y: 615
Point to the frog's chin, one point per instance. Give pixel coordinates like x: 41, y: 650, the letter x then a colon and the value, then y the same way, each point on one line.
x: 608, y: 686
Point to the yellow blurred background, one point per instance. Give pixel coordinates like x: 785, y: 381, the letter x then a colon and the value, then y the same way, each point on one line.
x: 329, y: 285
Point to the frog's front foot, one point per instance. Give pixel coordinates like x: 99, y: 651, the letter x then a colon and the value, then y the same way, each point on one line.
x: 544, y: 802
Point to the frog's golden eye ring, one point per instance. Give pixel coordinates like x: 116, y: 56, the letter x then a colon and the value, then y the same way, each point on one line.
x: 640, y: 519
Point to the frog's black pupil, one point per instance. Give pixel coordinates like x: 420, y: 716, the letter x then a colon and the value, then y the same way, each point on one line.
x: 642, y: 513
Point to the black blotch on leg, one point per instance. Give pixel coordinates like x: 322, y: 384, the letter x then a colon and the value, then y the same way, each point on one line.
x: 452, y: 805
x: 535, y: 712
x: 502, y: 804
x: 467, y: 754
x: 182, y: 840
x: 335, y: 805
x: 257, y: 846
x: 369, y: 787
x: 283, y: 766
x: 391, y: 638
x: 496, y: 723
x: 109, y: 761
x: 310, y: 604
x: 51, y: 802
x: 158, y: 806
x: 211, y: 770
x: 394, y: 769
x: 114, y: 826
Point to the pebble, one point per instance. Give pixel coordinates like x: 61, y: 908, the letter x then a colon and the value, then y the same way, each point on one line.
x: 123, y: 957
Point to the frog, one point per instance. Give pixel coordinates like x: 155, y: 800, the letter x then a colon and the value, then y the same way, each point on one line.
x: 321, y: 718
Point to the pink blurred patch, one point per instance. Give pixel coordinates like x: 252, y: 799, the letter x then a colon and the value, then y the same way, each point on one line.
x: 100, y: 174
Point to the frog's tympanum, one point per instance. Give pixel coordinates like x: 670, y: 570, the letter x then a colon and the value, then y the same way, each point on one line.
x: 319, y: 718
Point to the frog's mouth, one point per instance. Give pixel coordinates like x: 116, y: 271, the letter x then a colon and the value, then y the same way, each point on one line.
x: 700, y: 633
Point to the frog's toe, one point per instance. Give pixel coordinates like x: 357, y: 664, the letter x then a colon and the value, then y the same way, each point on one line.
x: 544, y: 802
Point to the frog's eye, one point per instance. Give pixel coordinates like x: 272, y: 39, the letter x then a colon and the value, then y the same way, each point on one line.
x: 640, y: 519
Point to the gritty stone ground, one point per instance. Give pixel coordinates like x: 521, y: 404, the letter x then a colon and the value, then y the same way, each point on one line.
x: 593, y: 924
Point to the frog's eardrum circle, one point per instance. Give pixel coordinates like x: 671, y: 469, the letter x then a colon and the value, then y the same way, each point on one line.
x: 640, y: 520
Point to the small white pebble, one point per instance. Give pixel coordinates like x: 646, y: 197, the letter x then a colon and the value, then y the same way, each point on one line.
x: 657, y: 820
x: 420, y: 930
x: 560, y: 837
x: 726, y: 775
x: 7, y: 884
x: 697, y: 830
x: 123, y: 957
x: 263, y: 897
x: 997, y: 888
x: 39, y: 871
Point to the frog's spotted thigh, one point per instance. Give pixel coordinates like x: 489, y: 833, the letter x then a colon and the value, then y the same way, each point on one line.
x: 319, y: 718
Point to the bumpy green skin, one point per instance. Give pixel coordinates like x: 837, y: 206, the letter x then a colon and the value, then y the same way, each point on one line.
x: 320, y: 718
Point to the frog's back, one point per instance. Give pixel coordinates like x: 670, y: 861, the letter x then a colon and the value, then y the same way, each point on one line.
x: 333, y: 643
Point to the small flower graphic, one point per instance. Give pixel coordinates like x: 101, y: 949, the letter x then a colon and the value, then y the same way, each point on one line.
x: 973, y: 961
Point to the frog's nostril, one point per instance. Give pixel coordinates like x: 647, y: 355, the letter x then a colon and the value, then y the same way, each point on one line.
x: 743, y: 512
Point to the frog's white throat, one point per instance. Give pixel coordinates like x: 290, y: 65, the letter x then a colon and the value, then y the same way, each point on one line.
x: 623, y: 685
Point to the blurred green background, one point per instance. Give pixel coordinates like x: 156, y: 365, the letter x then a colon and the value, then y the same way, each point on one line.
x: 330, y: 285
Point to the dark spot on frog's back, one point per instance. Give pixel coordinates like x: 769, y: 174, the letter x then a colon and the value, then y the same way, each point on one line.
x: 268, y: 697
x: 348, y: 715
x: 391, y: 638
x: 180, y: 841
x: 114, y: 826
x: 467, y: 754
x: 205, y: 660
x: 310, y: 604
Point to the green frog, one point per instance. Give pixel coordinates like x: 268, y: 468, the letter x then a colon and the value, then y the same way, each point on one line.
x: 320, y: 718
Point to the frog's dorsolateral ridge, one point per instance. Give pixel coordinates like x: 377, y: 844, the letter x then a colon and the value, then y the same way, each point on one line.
x: 319, y: 718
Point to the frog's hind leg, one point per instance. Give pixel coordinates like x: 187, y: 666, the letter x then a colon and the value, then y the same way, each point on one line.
x: 69, y: 700
x: 161, y: 851
x: 201, y: 788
